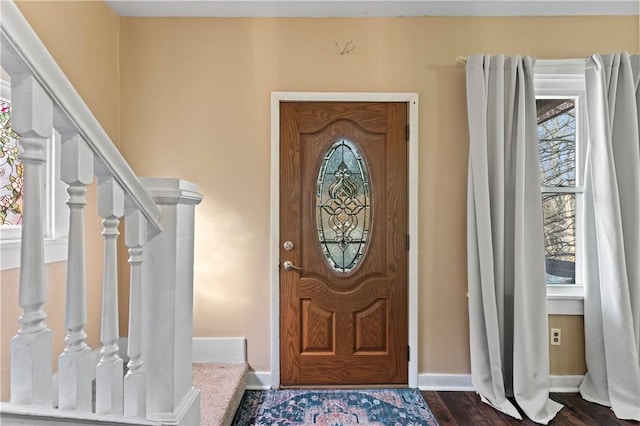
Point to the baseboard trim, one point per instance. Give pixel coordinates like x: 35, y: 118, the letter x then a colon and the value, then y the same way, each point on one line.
x: 565, y: 384
x: 462, y: 382
x: 258, y: 380
x: 207, y: 349
x: 219, y: 349
x: 234, y: 349
x: 445, y: 382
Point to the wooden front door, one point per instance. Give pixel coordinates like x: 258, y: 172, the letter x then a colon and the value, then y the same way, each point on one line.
x: 343, y: 243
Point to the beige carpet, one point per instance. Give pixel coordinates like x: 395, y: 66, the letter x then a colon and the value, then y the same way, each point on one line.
x: 221, y: 388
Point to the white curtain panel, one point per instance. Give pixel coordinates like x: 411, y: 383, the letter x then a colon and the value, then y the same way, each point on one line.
x: 507, y: 295
x: 612, y: 297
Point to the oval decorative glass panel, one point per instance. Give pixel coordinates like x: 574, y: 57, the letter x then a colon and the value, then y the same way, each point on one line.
x: 343, y: 205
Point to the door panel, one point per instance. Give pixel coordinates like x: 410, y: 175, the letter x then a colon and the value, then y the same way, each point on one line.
x: 343, y: 205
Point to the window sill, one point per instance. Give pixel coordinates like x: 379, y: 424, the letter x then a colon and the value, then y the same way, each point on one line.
x: 55, y: 250
x: 565, y: 299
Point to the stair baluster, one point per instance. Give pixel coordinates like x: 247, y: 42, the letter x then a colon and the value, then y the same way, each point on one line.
x: 32, y: 347
x: 109, y: 379
x: 74, y: 364
x: 135, y: 386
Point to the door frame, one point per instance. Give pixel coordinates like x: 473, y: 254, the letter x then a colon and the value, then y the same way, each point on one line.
x: 274, y: 251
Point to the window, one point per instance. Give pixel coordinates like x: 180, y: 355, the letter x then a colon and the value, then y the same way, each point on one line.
x: 562, y: 140
x: 343, y: 203
x: 56, y: 212
x: 557, y: 143
x: 10, y: 171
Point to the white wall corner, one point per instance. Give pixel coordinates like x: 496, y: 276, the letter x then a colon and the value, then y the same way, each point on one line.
x: 219, y: 349
x: 445, y: 382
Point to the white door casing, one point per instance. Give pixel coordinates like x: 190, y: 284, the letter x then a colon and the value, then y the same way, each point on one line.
x: 274, y: 275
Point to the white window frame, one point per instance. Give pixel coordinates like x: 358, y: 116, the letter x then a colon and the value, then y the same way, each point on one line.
x: 56, y: 222
x: 565, y: 79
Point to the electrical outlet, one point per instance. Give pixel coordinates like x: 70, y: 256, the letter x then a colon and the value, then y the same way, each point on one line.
x: 555, y: 337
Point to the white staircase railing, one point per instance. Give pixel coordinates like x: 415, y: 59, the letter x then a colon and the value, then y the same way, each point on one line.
x: 43, y: 98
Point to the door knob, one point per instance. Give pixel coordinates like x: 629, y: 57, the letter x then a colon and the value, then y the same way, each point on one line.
x: 289, y: 266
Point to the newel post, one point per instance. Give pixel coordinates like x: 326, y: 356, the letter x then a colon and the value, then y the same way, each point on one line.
x: 168, y: 304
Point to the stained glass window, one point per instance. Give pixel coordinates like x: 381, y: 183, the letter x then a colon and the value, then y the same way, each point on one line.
x: 343, y: 205
x: 11, y: 170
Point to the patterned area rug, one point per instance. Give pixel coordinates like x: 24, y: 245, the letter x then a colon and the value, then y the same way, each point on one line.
x: 373, y: 407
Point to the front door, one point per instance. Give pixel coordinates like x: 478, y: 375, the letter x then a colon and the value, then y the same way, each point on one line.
x: 343, y: 243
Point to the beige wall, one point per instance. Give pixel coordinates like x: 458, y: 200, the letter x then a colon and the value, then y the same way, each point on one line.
x: 195, y: 104
x: 83, y: 37
x: 568, y: 358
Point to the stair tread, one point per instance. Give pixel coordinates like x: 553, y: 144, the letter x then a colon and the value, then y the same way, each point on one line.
x: 221, y: 388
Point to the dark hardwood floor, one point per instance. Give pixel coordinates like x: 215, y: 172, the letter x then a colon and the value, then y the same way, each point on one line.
x: 465, y: 408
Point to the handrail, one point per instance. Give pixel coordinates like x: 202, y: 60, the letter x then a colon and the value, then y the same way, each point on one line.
x: 23, y: 52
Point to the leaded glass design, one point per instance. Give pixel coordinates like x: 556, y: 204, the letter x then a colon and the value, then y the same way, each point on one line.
x: 11, y: 170
x: 343, y: 205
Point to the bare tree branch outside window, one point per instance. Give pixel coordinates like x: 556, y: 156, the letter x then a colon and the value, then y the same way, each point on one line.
x: 557, y: 142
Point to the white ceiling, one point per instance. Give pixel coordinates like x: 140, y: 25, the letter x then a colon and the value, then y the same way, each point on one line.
x: 367, y: 8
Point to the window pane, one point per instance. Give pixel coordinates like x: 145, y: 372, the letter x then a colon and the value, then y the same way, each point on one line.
x: 559, y: 237
x: 10, y: 170
x: 343, y: 206
x: 557, y: 137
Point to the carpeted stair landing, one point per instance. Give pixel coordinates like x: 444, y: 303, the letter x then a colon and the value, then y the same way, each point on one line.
x: 221, y: 389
